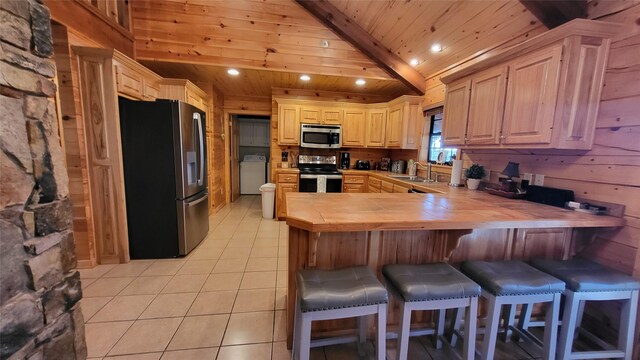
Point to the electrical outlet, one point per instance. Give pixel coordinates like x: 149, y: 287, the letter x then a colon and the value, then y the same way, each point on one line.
x: 528, y: 177
x: 538, y: 180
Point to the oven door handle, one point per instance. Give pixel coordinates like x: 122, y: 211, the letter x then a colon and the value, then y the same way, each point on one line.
x: 329, y: 177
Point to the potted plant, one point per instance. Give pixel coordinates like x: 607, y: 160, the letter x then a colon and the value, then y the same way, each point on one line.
x: 473, y: 174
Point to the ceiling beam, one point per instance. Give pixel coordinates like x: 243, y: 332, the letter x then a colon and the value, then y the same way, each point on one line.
x: 349, y: 31
x: 553, y: 13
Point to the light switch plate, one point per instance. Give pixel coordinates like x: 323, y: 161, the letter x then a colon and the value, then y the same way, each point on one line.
x: 538, y: 180
x: 528, y: 177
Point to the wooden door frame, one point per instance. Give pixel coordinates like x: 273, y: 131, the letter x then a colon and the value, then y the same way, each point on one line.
x: 228, y: 113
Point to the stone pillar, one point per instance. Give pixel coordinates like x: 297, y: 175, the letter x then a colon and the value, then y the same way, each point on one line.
x: 40, y: 317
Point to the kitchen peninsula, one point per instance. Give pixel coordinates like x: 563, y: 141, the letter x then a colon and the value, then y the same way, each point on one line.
x: 328, y: 231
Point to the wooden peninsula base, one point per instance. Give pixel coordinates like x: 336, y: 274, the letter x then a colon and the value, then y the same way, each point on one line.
x: 329, y: 231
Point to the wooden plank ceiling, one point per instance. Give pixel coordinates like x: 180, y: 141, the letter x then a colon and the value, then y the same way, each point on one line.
x: 274, y: 41
x: 259, y: 82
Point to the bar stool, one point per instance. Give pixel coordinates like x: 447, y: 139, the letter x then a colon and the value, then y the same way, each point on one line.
x: 337, y: 294
x: 513, y: 283
x: 590, y: 281
x: 436, y: 286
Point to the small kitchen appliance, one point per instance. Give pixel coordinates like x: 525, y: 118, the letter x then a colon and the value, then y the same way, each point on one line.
x: 320, y: 136
x: 345, y: 160
x: 398, y: 166
x: 363, y: 165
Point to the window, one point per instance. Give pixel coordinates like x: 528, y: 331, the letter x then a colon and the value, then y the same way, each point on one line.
x: 432, y: 141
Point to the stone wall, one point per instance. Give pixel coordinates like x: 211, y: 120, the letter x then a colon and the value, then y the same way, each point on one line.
x: 40, y: 316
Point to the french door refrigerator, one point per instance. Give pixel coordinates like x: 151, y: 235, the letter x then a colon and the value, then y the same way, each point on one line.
x: 165, y: 177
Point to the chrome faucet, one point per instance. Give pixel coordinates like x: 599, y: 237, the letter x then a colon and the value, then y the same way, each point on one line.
x: 428, y: 166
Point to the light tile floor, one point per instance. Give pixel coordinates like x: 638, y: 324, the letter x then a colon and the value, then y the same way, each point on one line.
x: 224, y: 301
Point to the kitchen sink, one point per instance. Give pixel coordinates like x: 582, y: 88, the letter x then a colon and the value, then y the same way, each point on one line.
x: 411, y: 178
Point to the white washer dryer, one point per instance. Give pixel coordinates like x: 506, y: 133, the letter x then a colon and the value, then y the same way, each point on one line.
x: 253, y: 170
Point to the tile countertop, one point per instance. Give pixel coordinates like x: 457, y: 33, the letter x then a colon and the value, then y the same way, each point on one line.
x: 447, y: 209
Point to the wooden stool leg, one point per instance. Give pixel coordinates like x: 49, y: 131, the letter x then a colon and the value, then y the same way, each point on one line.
x: 456, y: 319
x: 568, y: 324
x: 381, y: 342
x: 509, y: 320
x: 305, y: 336
x: 439, y: 330
x: 551, y: 328
x: 403, y: 335
x: 627, y: 325
x: 469, y: 346
x: 491, y: 330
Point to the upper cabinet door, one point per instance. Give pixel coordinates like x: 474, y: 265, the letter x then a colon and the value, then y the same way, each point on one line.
x: 486, y: 106
x: 394, y: 127
x: 288, y: 124
x: 353, y: 128
x: 331, y: 116
x: 531, y: 97
x: 309, y: 115
x: 376, y: 127
x: 456, y: 111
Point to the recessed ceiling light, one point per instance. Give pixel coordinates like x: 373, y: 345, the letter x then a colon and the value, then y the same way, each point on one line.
x: 305, y: 77
x: 436, y: 48
x: 414, y: 62
x: 360, y: 82
x: 233, y: 72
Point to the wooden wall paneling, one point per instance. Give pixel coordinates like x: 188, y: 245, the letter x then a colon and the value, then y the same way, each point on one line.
x: 325, y: 95
x: 247, y: 104
x: 97, y: 80
x: 486, y: 244
x: 70, y: 105
x: 86, y: 19
x: 541, y: 243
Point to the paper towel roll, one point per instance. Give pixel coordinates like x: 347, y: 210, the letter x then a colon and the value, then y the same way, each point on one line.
x: 456, y: 173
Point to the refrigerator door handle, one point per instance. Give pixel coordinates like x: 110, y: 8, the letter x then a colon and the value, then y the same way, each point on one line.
x: 198, y: 119
x: 193, y: 203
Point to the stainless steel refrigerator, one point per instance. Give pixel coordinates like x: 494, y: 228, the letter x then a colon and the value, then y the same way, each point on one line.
x: 165, y: 171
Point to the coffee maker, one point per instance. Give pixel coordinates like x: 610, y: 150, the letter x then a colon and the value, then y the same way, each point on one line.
x: 345, y: 160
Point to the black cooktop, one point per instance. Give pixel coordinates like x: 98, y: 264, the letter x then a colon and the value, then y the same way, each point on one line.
x: 320, y: 171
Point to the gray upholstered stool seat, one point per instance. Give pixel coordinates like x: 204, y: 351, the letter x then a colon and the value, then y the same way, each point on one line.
x: 338, y: 294
x: 430, y: 282
x: 335, y: 289
x: 511, y: 283
x: 590, y: 281
x: 511, y: 278
x: 584, y: 275
x: 436, y: 286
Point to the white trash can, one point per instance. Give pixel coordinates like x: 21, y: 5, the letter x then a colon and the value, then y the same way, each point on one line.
x: 268, y: 191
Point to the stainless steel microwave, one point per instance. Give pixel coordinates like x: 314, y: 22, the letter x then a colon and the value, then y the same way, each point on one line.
x: 320, y: 136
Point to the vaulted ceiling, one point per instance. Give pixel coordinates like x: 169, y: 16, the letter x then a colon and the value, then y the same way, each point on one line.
x: 275, y: 41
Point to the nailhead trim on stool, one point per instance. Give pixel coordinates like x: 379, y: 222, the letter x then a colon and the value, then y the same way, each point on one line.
x: 512, y: 283
x: 590, y: 281
x: 437, y: 286
x: 337, y: 294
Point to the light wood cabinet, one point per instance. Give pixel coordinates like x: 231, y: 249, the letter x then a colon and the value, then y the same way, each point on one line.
x: 486, y: 106
x: 543, y: 93
x: 400, y: 189
x: 353, y: 128
x: 376, y: 127
x: 310, y: 115
x: 374, y: 184
x: 184, y: 90
x: 547, y: 243
x: 393, y: 137
x: 456, y: 111
x: 354, y: 183
x: 394, y: 125
x: 386, y: 186
x: 288, y: 124
x: 285, y: 182
x: 331, y: 116
x: 531, y: 97
x: 134, y: 80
